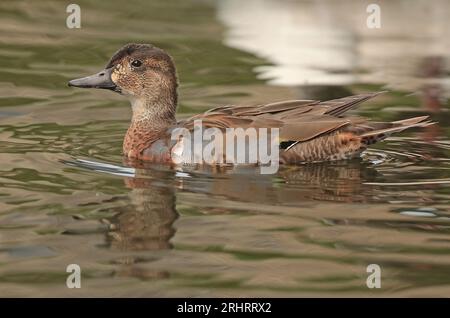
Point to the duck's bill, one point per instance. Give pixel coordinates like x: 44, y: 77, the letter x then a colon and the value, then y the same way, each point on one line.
x: 100, y: 80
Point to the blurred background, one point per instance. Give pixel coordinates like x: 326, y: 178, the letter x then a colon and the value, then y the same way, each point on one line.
x: 67, y: 196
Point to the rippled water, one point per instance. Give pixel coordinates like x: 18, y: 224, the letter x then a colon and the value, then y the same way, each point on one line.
x: 67, y: 196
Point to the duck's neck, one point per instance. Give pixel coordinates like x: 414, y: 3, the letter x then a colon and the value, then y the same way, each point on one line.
x: 150, y: 118
x: 153, y: 114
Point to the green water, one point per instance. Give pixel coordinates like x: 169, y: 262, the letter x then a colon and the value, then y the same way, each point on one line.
x: 67, y: 197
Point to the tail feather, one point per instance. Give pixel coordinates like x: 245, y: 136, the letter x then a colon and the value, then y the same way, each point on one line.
x: 410, y: 121
x: 376, y: 135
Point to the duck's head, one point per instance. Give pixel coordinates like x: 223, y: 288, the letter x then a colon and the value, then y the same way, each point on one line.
x: 143, y: 72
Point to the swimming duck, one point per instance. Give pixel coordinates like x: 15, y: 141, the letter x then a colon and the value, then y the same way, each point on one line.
x: 309, y: 130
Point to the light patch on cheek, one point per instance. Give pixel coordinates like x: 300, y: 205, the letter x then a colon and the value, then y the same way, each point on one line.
x: 118, y: 73
x: 114, y: 77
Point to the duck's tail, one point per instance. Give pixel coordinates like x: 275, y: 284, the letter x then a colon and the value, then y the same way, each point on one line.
x: 378, y: 134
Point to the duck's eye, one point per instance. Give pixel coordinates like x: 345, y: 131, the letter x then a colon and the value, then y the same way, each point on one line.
x: 136, y: 63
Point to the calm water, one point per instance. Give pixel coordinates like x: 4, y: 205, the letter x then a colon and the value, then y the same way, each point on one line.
x: 67, y: 196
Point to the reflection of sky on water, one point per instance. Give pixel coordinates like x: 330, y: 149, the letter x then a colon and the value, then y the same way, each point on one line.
x: 328, y: 42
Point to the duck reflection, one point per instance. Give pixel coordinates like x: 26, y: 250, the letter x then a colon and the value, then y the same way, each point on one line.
x: 291, y: 186
x: 148, y: 222
x: 143, y: 229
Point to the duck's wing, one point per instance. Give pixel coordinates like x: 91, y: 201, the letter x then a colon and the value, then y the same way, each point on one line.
x: 309, y: 130
x: 298, y: 120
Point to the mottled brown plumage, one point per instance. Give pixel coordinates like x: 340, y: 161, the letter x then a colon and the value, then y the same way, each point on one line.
x: 309, y: 130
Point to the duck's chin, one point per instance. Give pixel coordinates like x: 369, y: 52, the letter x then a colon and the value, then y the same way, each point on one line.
x: 128, y: 94
x: 117, y: 89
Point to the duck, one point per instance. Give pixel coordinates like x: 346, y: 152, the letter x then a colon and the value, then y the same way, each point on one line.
x: 308, y: 130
